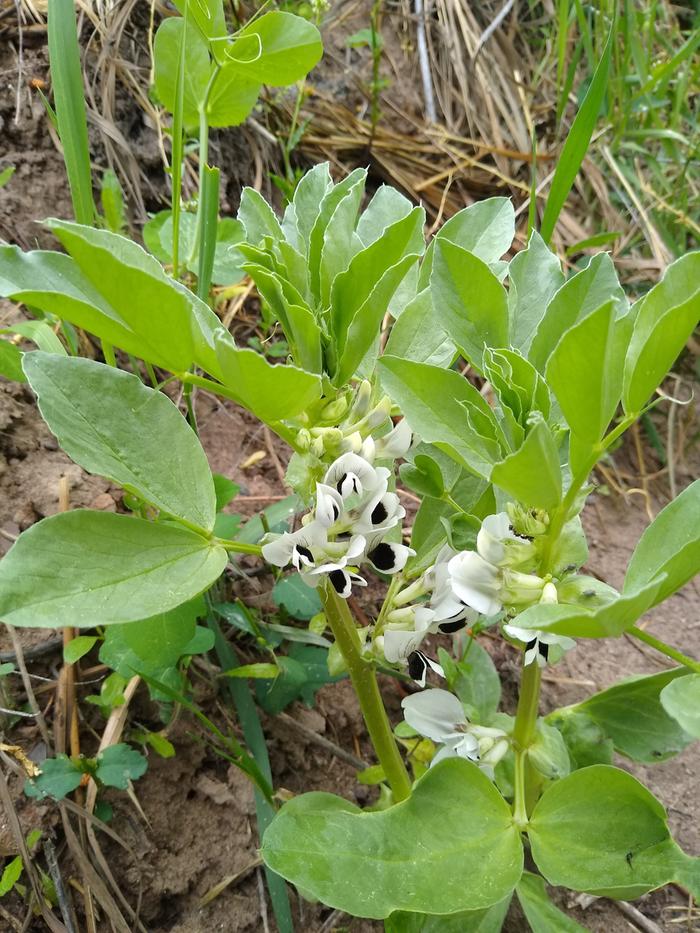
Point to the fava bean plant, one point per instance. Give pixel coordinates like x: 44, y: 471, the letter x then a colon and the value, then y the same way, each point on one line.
x: 499, y: 451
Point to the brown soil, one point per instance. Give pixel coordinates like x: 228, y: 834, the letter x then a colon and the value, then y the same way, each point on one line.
x: 198, y: 824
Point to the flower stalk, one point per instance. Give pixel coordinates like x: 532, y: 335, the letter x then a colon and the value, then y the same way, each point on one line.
x: 365, y: 683
x: 523, y: 735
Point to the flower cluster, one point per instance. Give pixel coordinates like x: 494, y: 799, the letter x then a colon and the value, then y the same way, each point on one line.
x: 463, y: 585
x: 439, y: 715
x: 353, y: 513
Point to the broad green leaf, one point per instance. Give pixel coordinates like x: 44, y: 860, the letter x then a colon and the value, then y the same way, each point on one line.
x: 532, y: 475
x: 430, y: 398
x: 386, y: 208
x: 308, y: 197
x: 534, y: 276
x: 300, y: 601
x: 360, y: 295
x: 208, y: 15
x: 587, y: 365
x: 363, y: 333
x: 120, y: 568
x: 681, y: 700
x: 670, y: 545
x: 517, y: 383
x: 486, y: 228
x: 633, y: 716
x: 110, y: 423
x: 580, y: 295
x: 78, y: 648
x: 451, y: 846
x: 11, y: 361
x: 489, y: 920
x: 339, y: 242
x: 166, y: 56
x: 419, y: 334
x: 59, y: 776
x: 474, y: 679
x: 257, y: 217
x: 277, y: 48
x: 423, y: 476
x: 666, y: 317
x: 355, y: 181
x: 542, y: 915
x: 119, y: 764
x: 270, y: 392
x: 472, y: 302
x: 577, y: 141
x: 604, y: 621
x: 599, y: 830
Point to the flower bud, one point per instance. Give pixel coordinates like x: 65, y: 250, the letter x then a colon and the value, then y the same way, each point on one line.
x: 361, y: 404
x: 406, y: 614
x: 334, y: 410
x: 528, y: 522
x: 521, y: 589
x: 549, y: 594
x: 303, y: 439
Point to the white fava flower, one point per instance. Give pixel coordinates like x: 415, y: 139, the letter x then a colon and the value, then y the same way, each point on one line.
x: 538, y: 644
x: 390, y: 446
x: 382, y: 512
x: 439, y: 715
x: 476, y: 582
x: 353, y: 476
x: 400, y: 645
x: 385, y: 556
x: 297, y: 548
x: 498, y: 544
x: 329, y: 505
x: 450, y: 614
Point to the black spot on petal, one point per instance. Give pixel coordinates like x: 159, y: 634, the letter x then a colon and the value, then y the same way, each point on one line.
x: 383, y: 557
x: 379, y: 514
x: 305, y: 552
x: 530, y: 644
x: 544, y: 650
x: 338, y: 580
x: 339, y: 484
x: 448, y: 628
x: 417, y: 665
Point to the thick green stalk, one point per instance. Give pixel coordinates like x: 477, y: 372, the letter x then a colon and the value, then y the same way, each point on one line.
x: 524, y: 733
x: 365, y: 683
x: 668, y: 650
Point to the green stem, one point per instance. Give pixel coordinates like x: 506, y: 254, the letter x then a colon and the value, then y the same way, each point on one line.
x: 365, y: 683
x: 524, y: 733
x: 239, y: 547
x: 669, y: 651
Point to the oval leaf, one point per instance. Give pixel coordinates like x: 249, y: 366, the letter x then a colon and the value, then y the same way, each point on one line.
x: 451, y: 846
x: 110, y: 423
x: 681, y: 699
x: 88, y: 568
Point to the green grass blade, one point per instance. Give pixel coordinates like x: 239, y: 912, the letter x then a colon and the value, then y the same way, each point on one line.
x: 208, y: 219
x: 254, y: 736
x: 577, y: 142
x: 69, y: 101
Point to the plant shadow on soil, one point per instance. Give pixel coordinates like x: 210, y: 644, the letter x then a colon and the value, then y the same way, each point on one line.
x: 200, y: 827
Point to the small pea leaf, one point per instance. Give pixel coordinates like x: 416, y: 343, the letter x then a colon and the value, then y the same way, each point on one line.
x: 166, y: 57
x: 681, y: 700
x: 119, y: 764
x: 225, y: 490
x: 542, y: 915
x: 423, y: 476
x: 603, y: 803
x: 451, y: 846
x: 11, y: 875
x: 78, y: 648
x: 300, y: 601
x: 59, y: 776
x: 534, y: 275
x: 548, y: 753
